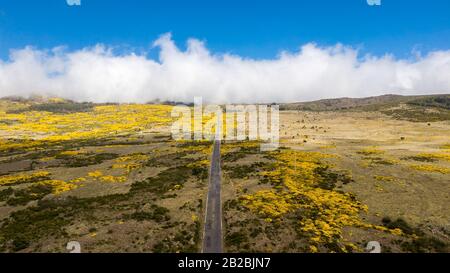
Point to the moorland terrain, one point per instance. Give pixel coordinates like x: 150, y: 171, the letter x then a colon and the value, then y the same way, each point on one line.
x: 348, y: 171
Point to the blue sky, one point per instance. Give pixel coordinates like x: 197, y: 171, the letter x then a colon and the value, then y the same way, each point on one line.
x: 237, y: 53
x: 250, y: 28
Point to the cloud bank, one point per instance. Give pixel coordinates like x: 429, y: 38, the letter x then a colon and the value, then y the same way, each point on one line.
x: 98, y: 74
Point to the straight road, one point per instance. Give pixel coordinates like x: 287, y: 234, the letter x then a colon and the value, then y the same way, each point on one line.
x: 212, y: 236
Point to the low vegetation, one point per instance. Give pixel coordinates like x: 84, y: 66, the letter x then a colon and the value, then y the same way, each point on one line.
x: 109, y: 176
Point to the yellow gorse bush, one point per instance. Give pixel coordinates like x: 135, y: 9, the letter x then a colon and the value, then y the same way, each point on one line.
x: 113, y: 179
x: 133, y: 157
x: 131, y: 162
x: 445, y: 146
x: 59, y: 186
x: 95, y: 174
x: 431, y: 168
x: 38, y: 178
x: 442, y: 156
x: 99, y: 176
x: 23, y: 178
x: 325, y: 212
x: 72, y: 153
x: 371, y: 151
x: 35, y: 128
x: 384, y: 178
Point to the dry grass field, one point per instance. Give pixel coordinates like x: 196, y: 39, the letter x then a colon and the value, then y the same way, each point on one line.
x: 371, y: 178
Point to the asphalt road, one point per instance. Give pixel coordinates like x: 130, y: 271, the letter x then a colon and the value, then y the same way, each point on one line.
x: 212, y: 236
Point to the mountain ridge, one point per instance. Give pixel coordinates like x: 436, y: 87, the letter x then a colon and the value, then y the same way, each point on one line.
x: 370, y: 103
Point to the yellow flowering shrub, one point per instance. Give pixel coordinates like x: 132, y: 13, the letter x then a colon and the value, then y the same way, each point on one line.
x: 268, y: 203
x: 127, y: 167
x: 384, y: 178
x: 59, y: 186
x: 98, y: 175
x: 113, y: 179
x: 445, y: 146
x: 326, y: 147
x: 441, y: 156
x: 131, y: 162
x: 324, y: 212
x: 35, y: 128
x: 72, y: 153
x: 95, y: 174
x: 133, y: 157
x: 431, y: 168
x: 37, y: 179
x: 199, y: 163
x: 371, y: 151
x: 23, y: 178
x: 78, y: 180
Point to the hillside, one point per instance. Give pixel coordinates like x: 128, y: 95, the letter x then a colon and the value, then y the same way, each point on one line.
x: 442, y: 101
x: 110, y: 177
x: 428, y: 108
x: 414, y: 108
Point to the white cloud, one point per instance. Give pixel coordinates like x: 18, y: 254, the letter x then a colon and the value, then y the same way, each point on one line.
x: 98, y: 74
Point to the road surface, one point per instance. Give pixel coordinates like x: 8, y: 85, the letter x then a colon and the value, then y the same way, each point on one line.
x: 212, y: 236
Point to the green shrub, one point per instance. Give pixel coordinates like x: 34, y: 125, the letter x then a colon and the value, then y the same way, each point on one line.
x: 327, y: 179
x: 58, y: 107
x: 20, y: 243
x: 200, y: 172
x: 164, y: 181
x: 419, y: 158
x: 400, y: 224
x: 236, y: 238
x: 159, y: 214
x: 437, y: 101
x: 4, y: 194
x: 34, y: 192
x: 425, y: 244
x: 83, y: 160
